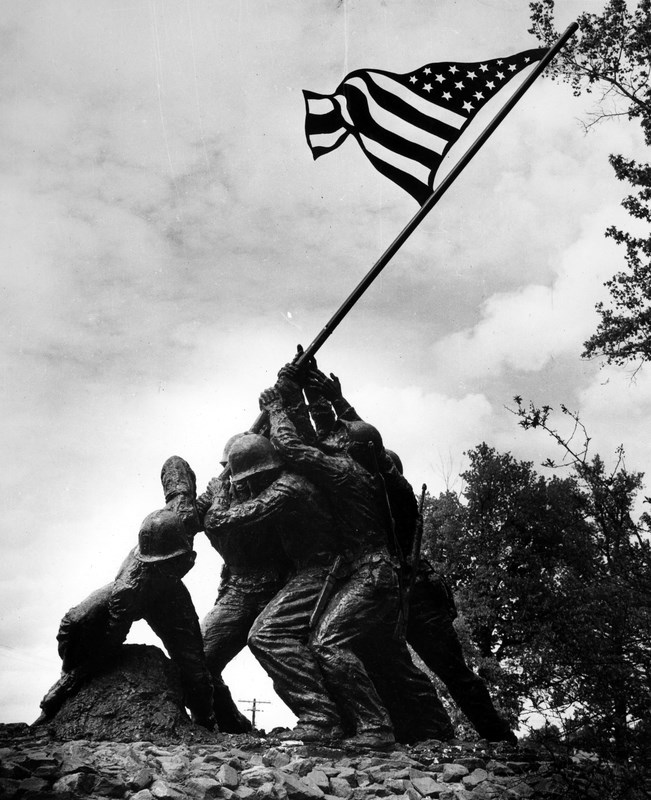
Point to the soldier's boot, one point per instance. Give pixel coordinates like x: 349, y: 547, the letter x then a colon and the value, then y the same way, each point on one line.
x: 179, y: 480
x: 379, y: 739
x: 308, y: 732
x: 65, y: 687
x: 229, y: 718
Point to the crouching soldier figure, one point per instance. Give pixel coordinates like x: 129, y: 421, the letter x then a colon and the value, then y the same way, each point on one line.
x: 148, y: 586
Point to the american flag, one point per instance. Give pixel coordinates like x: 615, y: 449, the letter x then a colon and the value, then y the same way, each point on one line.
x: 405, y: 124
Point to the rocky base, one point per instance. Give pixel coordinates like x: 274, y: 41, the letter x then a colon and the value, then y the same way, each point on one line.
x: 35, y: 766
x: 136, y: 697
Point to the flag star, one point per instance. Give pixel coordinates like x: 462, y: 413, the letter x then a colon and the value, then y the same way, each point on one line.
x: 427, y: 71
x: 527, y: 59
x: 453, y: 69
x: 459, y: 85
x: 512, y: 67
x: 447, y: 96
x: 500, y: 75
x: 428, y: 87
x: 440, y: 78
x: 499, y: 63
x: 468, y: 106
x: 471, y: 75
x: 483, y: 67
x: 478, y: 95
x: 412, y: 79
x: 490, y: 84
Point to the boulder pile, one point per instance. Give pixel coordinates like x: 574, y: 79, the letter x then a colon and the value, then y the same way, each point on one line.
x: 35, y: 766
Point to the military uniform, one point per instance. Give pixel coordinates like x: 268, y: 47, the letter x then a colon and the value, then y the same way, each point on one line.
x: 255, y: 569
x: 293, y: 507
x: 362, y: 615
x: 148, y: 586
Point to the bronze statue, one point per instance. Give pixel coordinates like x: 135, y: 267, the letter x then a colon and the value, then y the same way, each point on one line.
x: 268, y: 499
x: 362, y: 615
x: 430, y: 630
x: 255, y: 569
x: 148, y: 586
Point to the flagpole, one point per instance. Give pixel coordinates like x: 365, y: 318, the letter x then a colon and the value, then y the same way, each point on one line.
x: 428, y: 205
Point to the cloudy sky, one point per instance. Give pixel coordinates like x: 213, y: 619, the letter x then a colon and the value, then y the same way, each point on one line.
x: 167, y: 240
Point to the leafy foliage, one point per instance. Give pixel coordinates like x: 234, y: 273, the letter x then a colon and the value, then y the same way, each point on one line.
x: 611, y: 56
x: 552, y: 581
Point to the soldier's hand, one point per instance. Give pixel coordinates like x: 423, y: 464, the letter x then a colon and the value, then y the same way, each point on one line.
x: 330, y: 388
x: 270, y: 397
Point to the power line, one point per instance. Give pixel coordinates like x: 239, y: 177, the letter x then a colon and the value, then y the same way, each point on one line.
x: 254, y: 707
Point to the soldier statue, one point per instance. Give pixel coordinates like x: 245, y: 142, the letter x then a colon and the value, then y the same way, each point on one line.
x: 148, y: 586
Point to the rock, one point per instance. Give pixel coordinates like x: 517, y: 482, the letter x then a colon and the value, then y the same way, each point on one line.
x: 76, y: 782
x: 299, y: 789
x: 228, y: 776
x: 137, y: 696
x: 163, y: 791
x: 428, y: 787
x: 453, y: 772
x: 319, y: 779
x: 340, y: 787
x: 497, y: 768
x: 476, y: 777
x: 203, y: 787
x: 143, y: 794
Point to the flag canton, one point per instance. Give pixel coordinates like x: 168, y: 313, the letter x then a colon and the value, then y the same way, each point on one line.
x: 464, y: 88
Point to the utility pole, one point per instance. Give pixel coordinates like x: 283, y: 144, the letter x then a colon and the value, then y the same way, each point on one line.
x: 254, y: 707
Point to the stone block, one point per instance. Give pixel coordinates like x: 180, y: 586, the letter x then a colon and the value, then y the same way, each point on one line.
x: 453, y: 772
x: 228, y: 776
x: 340, y: 787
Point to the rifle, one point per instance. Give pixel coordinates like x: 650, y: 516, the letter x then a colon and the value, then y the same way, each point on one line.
x: 414, y: 556
x: 326, y: 593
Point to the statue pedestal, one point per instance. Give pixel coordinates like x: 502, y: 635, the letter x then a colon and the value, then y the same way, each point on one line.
x: 136, y: 697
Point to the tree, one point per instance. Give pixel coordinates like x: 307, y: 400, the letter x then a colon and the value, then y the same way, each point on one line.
x: 552, y: 581
x: 505, y: 547
x: 611, y: 55
x: 609, y: 682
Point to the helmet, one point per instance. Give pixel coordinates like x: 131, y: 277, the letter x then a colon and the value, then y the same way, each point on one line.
x: 397, y: 463
x: 363, y: 433
x: 162, y: 537
x: 250, y: 455
x: 227, y: 447
x: 177, y: 477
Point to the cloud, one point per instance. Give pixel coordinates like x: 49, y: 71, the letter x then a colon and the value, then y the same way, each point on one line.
x: 524, y: 329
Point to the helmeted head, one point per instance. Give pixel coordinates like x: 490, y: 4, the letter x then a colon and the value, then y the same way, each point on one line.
x: 229, y: 444
x: 177, y: 478
x: 362, y: 433
x: 397, y: 463
x: 252, y: 455
x: 162, y: 537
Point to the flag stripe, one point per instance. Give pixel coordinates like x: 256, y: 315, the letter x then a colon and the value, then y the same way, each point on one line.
x: 426, y: 107
x: 325, y: 142
x: 398, y: 124
x: 324, y: 123
x: 411, y: 114
x: 364, y: 122
x: 396, y: 160
x: 319, y: 105
x: 418, y: 190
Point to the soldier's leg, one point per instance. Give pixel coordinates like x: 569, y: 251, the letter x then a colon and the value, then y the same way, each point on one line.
x: 172, y: 616
x: 363, y: 610
x: 411, y: 698
x: 225, y: 630
x: 432, y: 635
x: 85, y: 645
x: 278, y: 640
